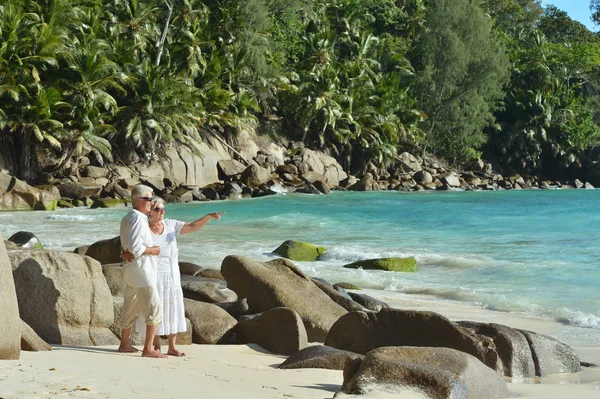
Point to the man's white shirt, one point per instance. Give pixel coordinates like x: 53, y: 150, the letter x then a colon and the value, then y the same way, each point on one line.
x: 136, y: 237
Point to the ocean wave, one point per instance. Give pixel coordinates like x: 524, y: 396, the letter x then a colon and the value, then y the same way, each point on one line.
x: 70, y: 217
x: 578, y: 318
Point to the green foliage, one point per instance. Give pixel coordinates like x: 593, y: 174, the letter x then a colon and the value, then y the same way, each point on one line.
x: 460, y: 72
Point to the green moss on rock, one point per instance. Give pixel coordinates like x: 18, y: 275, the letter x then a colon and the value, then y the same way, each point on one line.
x: 299, y: 251
x: 108, y: 203
x: 388, y: 264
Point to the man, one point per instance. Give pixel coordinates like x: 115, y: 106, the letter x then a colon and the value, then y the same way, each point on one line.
x: 141, y: 295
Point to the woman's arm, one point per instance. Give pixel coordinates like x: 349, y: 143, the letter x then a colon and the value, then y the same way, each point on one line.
x: 198, y: 224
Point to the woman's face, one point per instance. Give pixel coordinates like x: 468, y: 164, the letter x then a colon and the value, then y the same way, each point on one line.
x: 158, y: 213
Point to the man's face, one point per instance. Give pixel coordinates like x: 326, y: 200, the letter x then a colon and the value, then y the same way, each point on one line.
x: 143, y: 204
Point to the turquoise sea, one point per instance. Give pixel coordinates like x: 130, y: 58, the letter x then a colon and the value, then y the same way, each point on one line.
x: 530, y: 252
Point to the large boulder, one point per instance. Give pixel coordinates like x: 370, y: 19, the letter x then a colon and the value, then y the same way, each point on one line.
x: 63, y: 297
x: 362, y: 332
x: 387, y: 264
x: 16, y: 195
x: 278, y: 330
x: 255, y: 175
x: 210, y: 323
x: 312, y: 161
x: 279, y: 283
x: 551, y: 356
x: 344, y: 300
x: 299, y: 251
x: 113, y: 273
x: 10, y: 328
x: 319, y: 357
x: 106, y: 251
x: 368, y: 301
x: 436, y: 372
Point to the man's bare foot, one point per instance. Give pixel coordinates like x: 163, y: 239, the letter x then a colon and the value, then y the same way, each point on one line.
x: 175, y: 352
x: 128, y: 349
x: 154, y: 354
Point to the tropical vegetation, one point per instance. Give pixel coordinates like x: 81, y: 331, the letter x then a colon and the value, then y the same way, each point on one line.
x: 505, y: 80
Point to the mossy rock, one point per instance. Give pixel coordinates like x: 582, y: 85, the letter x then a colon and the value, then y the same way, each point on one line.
x: 388, y: 264
x: 46, y: 205
x: 299, y: 251
x: 63, y: 203
x: 108, y: 203
x: 347, y: 286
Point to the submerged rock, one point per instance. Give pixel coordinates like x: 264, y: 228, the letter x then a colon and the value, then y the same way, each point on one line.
x: 299, y: 251
x: 388, y: 264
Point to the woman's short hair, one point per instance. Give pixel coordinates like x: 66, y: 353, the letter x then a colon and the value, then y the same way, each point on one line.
x: 139, y: 190
x: 157, y: 201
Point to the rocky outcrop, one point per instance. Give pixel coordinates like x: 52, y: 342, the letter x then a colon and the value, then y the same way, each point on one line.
x: 435, y: 372
x: 278, y: 330
x: 368, y: 302
x: 319, y: 357
x: 63, y: 297
x: 17, y: 195
x: 299, y: 251
x: 10, y: 328
x: 279, y: 283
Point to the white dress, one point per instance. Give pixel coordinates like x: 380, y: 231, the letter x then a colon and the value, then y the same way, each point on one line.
x: 168, y: 281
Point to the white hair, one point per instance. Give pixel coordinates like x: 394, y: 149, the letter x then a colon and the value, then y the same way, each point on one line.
x: 156, y: 201
x: 139, y: 190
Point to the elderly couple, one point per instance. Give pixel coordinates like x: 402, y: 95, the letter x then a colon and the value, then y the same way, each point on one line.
x: 151, y: 272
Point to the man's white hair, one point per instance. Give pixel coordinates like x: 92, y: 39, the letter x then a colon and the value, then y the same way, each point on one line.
x: 139, y: 190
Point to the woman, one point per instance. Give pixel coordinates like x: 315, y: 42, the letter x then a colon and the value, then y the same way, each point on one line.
x: 169, y: 280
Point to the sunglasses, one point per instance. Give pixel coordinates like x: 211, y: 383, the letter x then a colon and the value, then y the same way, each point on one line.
x: 149, y: 199
x: 159, y: 209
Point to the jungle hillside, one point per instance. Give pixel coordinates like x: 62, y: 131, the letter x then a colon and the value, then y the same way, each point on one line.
x: 503, y: 80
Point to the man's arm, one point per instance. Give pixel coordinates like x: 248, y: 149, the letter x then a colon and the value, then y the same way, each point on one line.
x: 135, y: 236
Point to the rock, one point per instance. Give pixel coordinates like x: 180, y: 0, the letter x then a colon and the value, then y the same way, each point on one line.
x: 185, y: 195
x: 236, y: 309
x: 437, y: 372
x: 210, y: 323
x: 361, y: 332
x: 299, y: 251
x: 206, y: 290
x: 230, y: 168
x: 134, y: 337
x: 26, y: 240
x: 73, y: 190
x: 551, y: 356
x: 113, y: 273
x: 10, y: 328
x: 109, y: 203
x: 289, y: 169
x: 32, y: 342
x: 81, y: 250
x: 278, y: 330
x: 189, y: 269
x: 388, y: 264
x: 409, y: 162
x: 95, y: 172
x: 106, y: 251
x: 346, y: 286
x: 279, y: 283
x: 423, y: 177
x: 367, y: 183
x: 20, y: 196
x: 211, y: 274
x: 451, y: 180
x: 255, y: 175
x: 319, y: 357
x: 341, y: 298
x: 368, y: 302
x: 63, y: 297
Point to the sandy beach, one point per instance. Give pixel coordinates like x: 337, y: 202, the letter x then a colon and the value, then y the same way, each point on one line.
x: 247, y: 371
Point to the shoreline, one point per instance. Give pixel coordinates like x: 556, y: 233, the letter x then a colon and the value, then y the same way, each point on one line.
x: 248, y: 371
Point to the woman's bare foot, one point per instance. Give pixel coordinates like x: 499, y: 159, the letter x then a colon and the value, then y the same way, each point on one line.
x: 154, y: 354
x: 175, y: 352
x: 127, y: 349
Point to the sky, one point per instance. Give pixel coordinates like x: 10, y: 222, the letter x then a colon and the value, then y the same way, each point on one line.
x: 579, y: 10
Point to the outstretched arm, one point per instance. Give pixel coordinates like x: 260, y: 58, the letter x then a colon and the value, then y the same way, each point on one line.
x: 198, y: 224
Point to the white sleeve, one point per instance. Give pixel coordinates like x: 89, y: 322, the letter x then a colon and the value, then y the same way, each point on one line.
x: 176, y: 225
